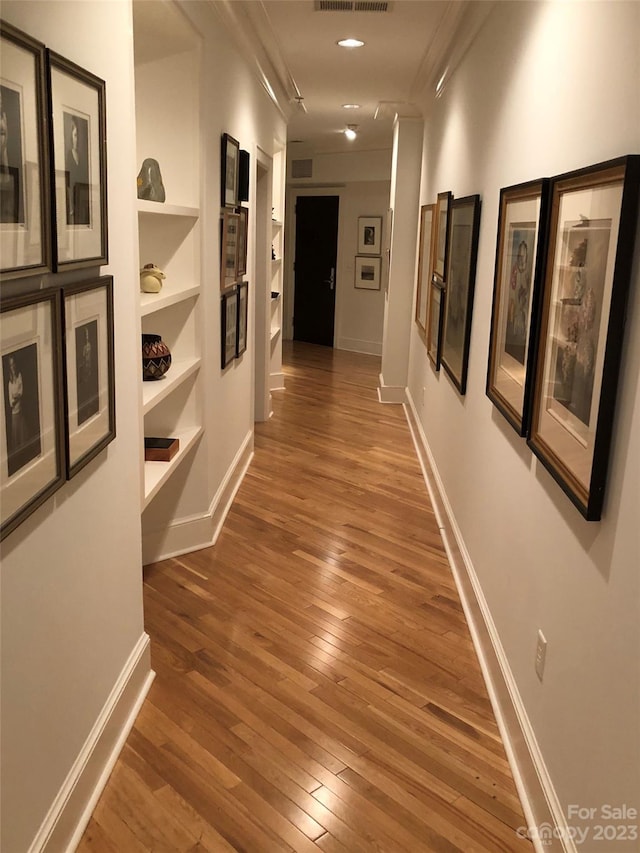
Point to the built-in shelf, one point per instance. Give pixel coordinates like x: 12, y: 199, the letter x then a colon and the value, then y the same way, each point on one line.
x: 276, y: 262
x: 275, y: 331
x: 275, y: 295
x: 276, y: 223
x: 154, y: 391
x: 152, y: 302
x: 160, y: 209
x: 156, y: 474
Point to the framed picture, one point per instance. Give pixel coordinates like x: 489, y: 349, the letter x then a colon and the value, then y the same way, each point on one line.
x: 436, y: 319
x: 229, y: 326
x: 31, y: 427
x: 243, y: 230
x: 519, y: 255
x: 229, y: 240
x: 460, y: 274
x: 89, y: 370
x: 25, y: 200
x: 593, y: 217
x: 243, y: 305
x: 79, y: 154
x: 229, y: 159
x: 369, y: 235
x: 441, y: 248
x: 367, y: 273
x: 425, y: 261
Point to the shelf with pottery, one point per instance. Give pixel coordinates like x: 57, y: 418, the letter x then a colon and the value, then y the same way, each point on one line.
x: 156, y: 474
x: 154, y: 208
x: 169, y: 295
x: 154, y: 391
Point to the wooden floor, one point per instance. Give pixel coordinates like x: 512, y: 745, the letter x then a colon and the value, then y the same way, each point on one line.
x: 317, y: 689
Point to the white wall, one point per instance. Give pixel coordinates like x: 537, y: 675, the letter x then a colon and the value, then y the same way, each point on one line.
x: 71, y: 573
x: 546, y: 88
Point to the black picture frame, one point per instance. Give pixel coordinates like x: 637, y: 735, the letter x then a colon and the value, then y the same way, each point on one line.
x: 520, y: 254
x: 243, y: 233
x: 90, y: 406
x: 464, y: 228
x: 435, y: 321
x: 229, y: 244
x: 425, y: 266
x: 229, y: 170
x: 32, y: 449
x: 580, y: 332
x: 441, y: 238
x: 228, y: 326
x: 242, y: 318
x: 25, y: 191
x: 77, y: 106
x: 368, y: 269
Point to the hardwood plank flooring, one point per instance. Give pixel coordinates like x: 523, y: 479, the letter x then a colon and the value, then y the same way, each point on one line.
x: 317, y: 688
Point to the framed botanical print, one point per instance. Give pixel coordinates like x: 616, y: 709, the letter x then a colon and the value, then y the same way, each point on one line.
x: 229, y: 244
x: 79, y: 152
x: 367, y: 275
x: 425, y: 260
x: 464, y: 227
x: 25, y: 200
x: 369, y: 235
x: 229, y: 326
x: 436, y: 318
x: 89, y: 370
x: 441, y: 247
x: 229, y: 161
x: 519, y: 255
x: 243, y: 313
x: 243, y: 230
x: 587, y: 275
x: 32, y: 463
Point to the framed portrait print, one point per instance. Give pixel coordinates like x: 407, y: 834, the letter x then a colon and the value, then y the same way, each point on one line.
x: 369, y: 235
x: 435, y: 320
x: 243, y: 313
x: 367, y: 273
x: 593, y: 217
x: 31, y: 427
x: 89, y: 371
x: 229, y: 160
x: 229, y: 238
x: 229, y: 326
x: 441, y: 247
x: 79, y: 152
x: 243, y: 230
x: 25, y: 200
x: 424, y: 264
x: 519, y: 254
x: 460, y: 274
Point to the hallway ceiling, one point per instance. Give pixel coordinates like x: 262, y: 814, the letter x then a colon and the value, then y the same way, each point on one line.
x: 408, y: 47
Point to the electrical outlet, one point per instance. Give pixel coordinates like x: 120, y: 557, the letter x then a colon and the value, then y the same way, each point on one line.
x: 541, y: 654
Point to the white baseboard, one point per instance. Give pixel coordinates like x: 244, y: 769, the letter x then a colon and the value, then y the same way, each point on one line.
x: 546, y: 823
x: 196, y: 532
x: 276, y: 381
x: 71, y: 810
x: 356, y: 345
x: 391, y: 393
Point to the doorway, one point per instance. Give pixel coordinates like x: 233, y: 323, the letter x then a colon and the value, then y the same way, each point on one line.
x: 316, y: 253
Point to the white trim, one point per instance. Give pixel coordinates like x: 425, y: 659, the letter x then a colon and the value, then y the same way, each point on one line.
x: 391, y: 393
x: 71, y: 810
x: 540, y: 803
x: 195, y: 532
x: 356, y: 345
x: 276, y: 381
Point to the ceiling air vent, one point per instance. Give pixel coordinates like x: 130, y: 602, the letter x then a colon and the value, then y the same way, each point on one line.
x: 302, y: 168
x: 352, y: 5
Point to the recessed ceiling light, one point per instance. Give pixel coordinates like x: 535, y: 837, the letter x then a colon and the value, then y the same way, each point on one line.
x: 351, y: 106
x: 350, y: 132
x: 350, y: 43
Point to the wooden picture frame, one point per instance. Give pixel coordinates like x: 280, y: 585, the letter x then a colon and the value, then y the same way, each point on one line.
x: 229, y: 170
x: 242, y: 318
x: 229, y: 237
x: 522, y: 220
x: 441, y: 238
x: 243, y: 232
x: 369, y: 235
x: 79, y: 155
x: 425, y: 263
x: 25, y: 191
x: 228, y: 326
x: 89, y: 371
x: 435, y: 321
x: 32, y: 457
x: 464, y: 228
x: 587, y: 276
x: 367, y: 272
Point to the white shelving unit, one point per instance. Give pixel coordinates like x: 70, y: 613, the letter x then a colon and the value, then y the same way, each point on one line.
x: 276, y: 378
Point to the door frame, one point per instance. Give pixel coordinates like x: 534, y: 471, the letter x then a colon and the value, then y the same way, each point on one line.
x: 261, y: 285
x: 290, y: 242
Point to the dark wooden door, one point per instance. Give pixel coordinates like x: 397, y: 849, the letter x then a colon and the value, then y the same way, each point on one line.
x: 315, y: 269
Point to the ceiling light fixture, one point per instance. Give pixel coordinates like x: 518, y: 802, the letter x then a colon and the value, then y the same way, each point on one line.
x: 351, y: 43
x: 440, y: 82
x: 351, y: 132
x: 351, y: 106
